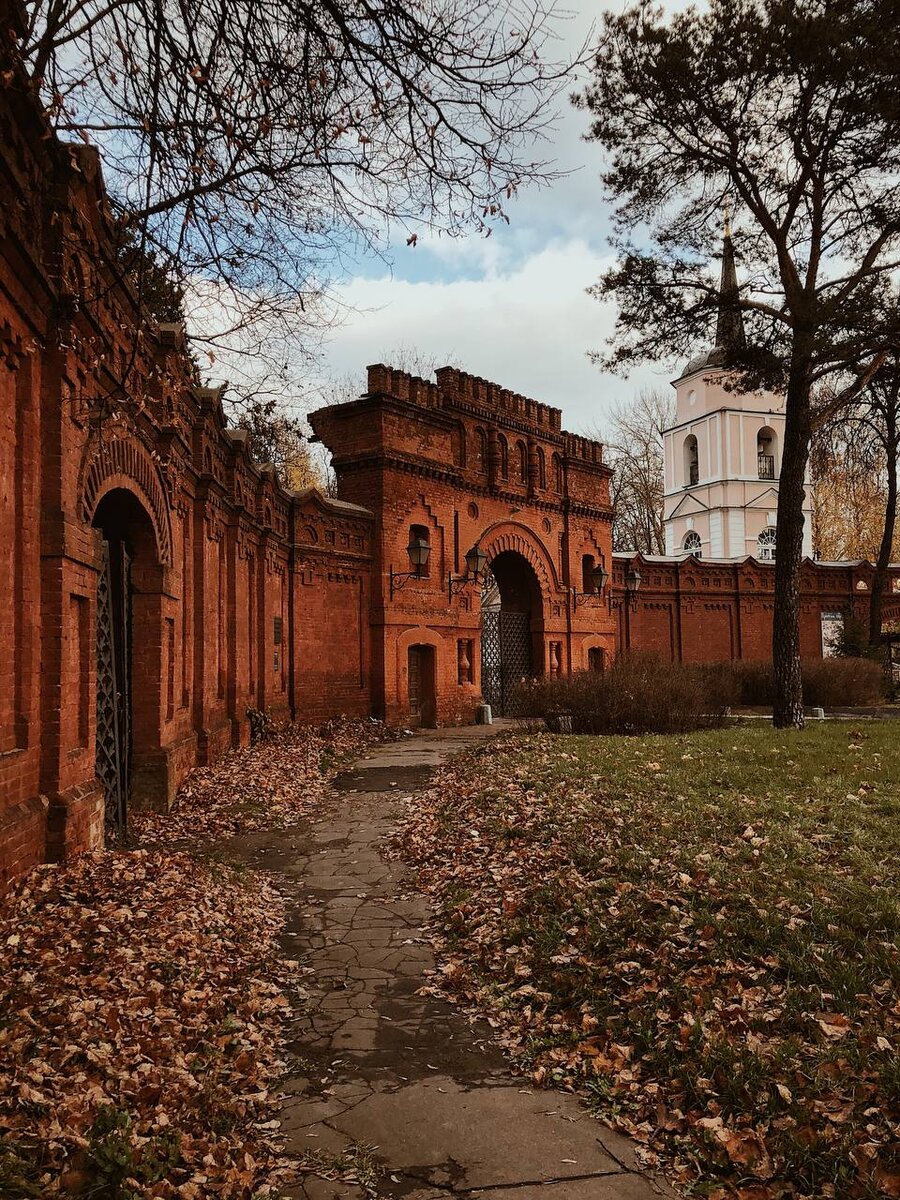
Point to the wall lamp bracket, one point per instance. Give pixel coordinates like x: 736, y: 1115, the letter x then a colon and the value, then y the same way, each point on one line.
x: 476, y: 563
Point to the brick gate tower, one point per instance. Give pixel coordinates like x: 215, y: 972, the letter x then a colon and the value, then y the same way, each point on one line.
x: 478, y: 494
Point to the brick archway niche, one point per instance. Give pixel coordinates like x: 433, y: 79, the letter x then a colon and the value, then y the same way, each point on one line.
x: 515, y: 606
x: 126, y: 504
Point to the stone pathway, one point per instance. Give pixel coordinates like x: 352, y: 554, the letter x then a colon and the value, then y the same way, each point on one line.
x: 397, y: 1080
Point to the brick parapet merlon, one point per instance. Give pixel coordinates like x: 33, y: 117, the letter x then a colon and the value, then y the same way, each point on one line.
x: 584, y: 450
x: 457, y: 389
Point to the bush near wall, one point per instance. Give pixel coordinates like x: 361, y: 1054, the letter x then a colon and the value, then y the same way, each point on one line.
x: 644, y: 694
x: 639, y: 693
x: 827, y: 683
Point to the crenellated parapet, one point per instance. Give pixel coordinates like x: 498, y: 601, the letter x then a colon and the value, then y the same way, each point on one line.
x: 461, y: 391
x: 583, y: 449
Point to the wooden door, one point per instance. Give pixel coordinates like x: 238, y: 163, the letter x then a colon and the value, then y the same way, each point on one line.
x: 422, y: 686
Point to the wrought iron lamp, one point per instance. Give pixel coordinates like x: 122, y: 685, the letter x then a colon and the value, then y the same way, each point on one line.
x: 418, y: 550
x: 632, y: 583
x: 599, y: 577
x: 476, y: 562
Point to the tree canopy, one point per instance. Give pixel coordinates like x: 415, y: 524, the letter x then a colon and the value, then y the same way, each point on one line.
x: 633, y: 447
x: 788, y: 111
x: 255, y: 145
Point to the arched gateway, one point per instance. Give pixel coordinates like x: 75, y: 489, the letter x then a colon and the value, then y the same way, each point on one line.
x: 511, y: 629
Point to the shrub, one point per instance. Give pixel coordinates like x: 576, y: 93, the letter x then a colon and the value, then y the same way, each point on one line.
x: 843, y: 681
x: 639, y: 693
x: 827, y: 682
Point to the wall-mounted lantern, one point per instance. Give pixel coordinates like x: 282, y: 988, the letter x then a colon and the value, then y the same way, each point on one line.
x: 599, y: 578
x: 419, y: 550
x: 632, y: 583
x: 476, y: 563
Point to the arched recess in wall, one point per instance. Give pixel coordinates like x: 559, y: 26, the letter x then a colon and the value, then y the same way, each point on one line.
x: 458, y: 442
x: 124, y: 498
x: 557, y: 473
x: 126, y: 463
x: 503, y: 455
x: 596, y: 653
x: 510, y: 535
x: 480, y: 463
x: 541, y: 468
x: 412, y: 658
x: 767, y: 453
x: 521, y: 462
x: 691, y: 455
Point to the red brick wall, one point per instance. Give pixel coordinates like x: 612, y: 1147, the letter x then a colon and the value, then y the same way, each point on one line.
x: 222, y: 620
x: 692, y: 610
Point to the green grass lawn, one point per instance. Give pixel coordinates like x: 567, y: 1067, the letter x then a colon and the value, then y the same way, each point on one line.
x: 700, y: 931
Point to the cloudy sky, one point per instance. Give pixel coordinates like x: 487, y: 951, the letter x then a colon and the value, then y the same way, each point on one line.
x: 512, y: 307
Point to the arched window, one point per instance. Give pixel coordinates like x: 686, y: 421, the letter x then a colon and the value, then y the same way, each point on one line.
x: 692, y: 543
x: 765, y: 544
x: 503, y: 454
x: 541, y: 468
x: 691, y: 461
x: 767, y: 453
x: 521, y: 462
x: 458, y: 439
x: 480, y: 450
x: 596, y: 659
x: 557, y: 474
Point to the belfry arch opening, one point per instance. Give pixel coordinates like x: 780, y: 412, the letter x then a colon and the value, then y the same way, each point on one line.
x: 512, y: 628
x: 127, y: 693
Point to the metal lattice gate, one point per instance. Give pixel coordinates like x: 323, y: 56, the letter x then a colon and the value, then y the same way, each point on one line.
x: 113, y: 685
x: 505, y: 657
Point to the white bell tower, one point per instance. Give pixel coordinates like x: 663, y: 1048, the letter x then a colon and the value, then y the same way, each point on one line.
x: 723, y: 454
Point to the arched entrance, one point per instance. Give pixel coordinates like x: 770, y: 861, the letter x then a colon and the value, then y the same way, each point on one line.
x: 511, y: 629
x: 128, y: 575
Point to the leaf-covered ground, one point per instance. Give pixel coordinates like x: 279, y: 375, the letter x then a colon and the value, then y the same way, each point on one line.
x: 142, y: 996
x: 699, y: 932
x: 140, y: 1028
x: 268, y: 786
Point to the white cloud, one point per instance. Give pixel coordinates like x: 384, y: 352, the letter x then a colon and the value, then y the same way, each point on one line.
x: 528, y: 328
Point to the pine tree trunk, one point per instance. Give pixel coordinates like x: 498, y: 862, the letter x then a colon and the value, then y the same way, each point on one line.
x: 887, y: 536
x: 788, y: 708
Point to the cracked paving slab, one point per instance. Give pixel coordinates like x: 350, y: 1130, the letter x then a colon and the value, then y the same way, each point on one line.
x: 405, y: 1077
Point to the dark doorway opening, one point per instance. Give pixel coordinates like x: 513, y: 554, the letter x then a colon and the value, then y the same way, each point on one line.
x: 128, y: 545
x: 511, y: 630
x: 422, y: 687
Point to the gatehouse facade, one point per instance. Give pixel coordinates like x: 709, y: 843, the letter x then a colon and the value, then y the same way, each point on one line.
x: 463, y: 469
